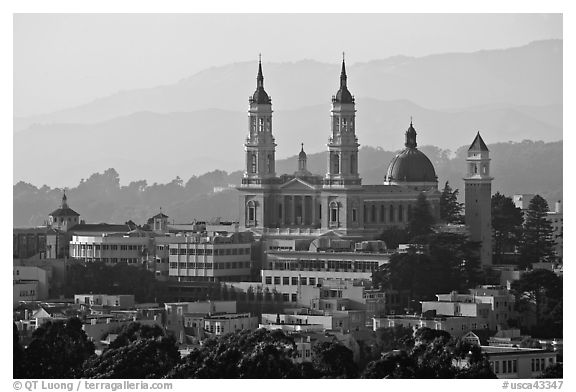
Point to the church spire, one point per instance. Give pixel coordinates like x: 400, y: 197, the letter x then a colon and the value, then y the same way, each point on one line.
x: 260, y: 77
x: 343, y: 76
x: 260, y: 96
x: 343, y: 95
x: 64, y: 200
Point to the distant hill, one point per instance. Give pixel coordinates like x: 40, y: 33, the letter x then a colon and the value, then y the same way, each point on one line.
x: 528, y: 75
x: 525, y: 167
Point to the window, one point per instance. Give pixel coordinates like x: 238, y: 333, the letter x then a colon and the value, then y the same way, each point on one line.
x: 497, y: 363
x: 253, y: 163
x: 277, y: 280
x: 294, y: 281
x: 269, y: 163
x: 514, y: 366
x: 336, y: 163
x: 354, y: 218
x: 251, y: 212
x: 294, y: 297
x: 285, y: 297
x: 303, y: 281
x: 312, y: 281
x: 268, y: 279
x: 285, y: 280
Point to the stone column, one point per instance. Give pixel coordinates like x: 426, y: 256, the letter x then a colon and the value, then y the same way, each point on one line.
x: 313, y: 201
x: 303, y: 210
x: 293, y: 210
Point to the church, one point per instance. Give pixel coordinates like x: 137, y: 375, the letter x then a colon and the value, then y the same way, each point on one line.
x: 336, y: 203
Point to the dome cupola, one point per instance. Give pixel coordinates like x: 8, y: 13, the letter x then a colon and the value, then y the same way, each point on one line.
x: 411, y: 166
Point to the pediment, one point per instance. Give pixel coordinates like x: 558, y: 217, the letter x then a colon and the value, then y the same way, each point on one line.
x: 297, y: 184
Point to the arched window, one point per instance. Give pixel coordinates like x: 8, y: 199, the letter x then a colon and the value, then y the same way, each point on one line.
x: 269, y: 163
x: 260, y: 124
x: 336, y: 163
x: 475, y: 169
x: 391, y: 212
x: 251, y: 212
x: 253, y: 163
x: 333, y: 212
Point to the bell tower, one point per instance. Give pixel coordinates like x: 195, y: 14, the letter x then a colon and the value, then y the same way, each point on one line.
x: 478, y: 197
x: 260, y: 146
x: 343, y: 143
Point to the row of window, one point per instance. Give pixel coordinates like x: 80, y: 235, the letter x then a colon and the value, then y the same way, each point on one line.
x: 209, y: 252
x: 228, y: 265
x: 508, y: 366
x: 339, y: 265
x: 539, y: 364
x: 108, y: 247
x: 115, y: 260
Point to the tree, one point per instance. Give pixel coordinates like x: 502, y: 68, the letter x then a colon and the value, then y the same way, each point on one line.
x: 539, y: 293
x: 553, y: 371
x: 18, y: 355
x: 141, y: 358
x: 537, y: 242
x: 396, y: 364
x: 394, y: 236
x: 507, y: 222
x: 421, y: 220
x: 58, y: 350
x: 244, y: 354
x: 334, y: 360
x: 450, y: 208
x: 394, y: 338
x: 136, y: 331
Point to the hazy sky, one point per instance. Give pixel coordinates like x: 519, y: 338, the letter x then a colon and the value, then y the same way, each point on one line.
x: 63, y: 60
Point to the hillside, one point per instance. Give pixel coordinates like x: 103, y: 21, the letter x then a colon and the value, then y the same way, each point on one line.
x: 526, y: 167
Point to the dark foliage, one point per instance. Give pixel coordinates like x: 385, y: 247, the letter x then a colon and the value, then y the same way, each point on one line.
x: 539, y: 297
x: 450, y: 208
x: 141, y: 358
x: 18, y: 355
x: 394, y: 236
x: 58, y: 350
x: 244, y: 354
x: 554, y: 371
x: 537, y: 243
x: 333, y: 360
x: 421, y: 219
x: 507, y: 222
x: 119, y: 278
x: 136, y: 331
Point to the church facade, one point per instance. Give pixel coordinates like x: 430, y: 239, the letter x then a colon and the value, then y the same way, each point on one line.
x: 336, y: 203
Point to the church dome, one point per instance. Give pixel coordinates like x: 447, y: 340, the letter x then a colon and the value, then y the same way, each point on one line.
x: 411, y: 165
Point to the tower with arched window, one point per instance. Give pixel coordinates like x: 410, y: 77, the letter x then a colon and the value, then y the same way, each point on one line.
x: 478, y: 197
x: 260, y: 146
x: 343, y: 144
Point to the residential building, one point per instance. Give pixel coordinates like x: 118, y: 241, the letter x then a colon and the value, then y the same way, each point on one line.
x: 514, y: 362
x: 455, y: 325
x: 118, y: 301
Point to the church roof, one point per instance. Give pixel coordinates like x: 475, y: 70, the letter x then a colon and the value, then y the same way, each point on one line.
x: 478, y: 144
x: 411, y: 165
x: 64, y: 212
x: 159, y: 216
x: 100, y: 228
